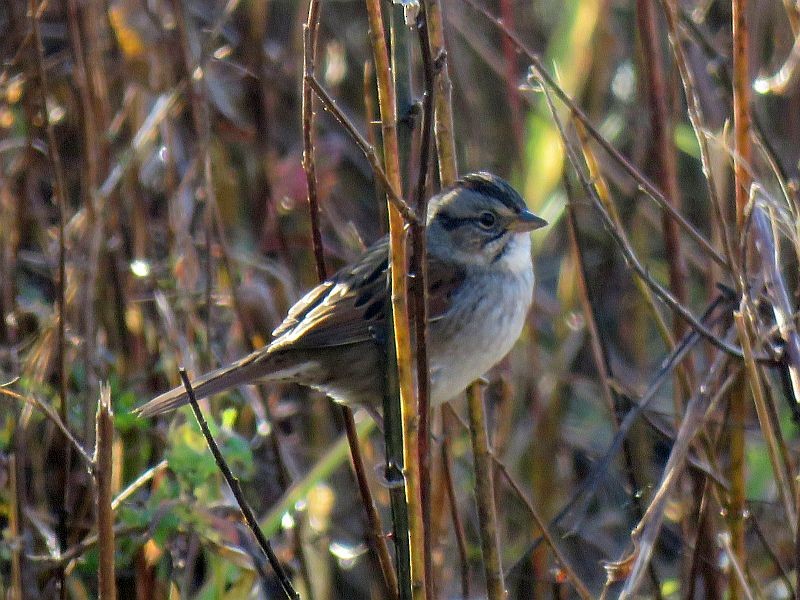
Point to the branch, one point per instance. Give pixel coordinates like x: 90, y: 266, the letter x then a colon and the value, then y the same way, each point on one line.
x: 233, y: 482
x: 330, y: 105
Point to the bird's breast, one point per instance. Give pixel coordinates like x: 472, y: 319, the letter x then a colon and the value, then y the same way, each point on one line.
x: 482, y: 325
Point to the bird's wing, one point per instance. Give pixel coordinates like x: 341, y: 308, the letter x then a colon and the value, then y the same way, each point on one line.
x: 343, y: 310
x: 351, y: 307
x: 444, y: 280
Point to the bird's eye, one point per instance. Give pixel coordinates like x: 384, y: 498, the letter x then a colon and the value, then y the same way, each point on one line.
x: 487, y: 220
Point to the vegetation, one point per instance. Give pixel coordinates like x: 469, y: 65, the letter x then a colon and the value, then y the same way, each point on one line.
x: 174, y: 174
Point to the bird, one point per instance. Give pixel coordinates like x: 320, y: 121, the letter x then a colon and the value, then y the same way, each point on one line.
x: 479, y: 290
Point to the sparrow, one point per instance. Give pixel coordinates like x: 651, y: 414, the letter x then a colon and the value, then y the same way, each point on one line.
x: 479, y: 291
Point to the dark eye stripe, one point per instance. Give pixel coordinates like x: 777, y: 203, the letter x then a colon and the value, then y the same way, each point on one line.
x: 449, y: 222
x: 494, y: 238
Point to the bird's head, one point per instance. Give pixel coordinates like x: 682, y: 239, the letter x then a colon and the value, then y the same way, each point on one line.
x: 479, y: 221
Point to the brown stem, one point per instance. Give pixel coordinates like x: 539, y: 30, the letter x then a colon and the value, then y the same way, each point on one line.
x: 309, y: 163
x: 104, y: 436
x: 443, y: 124
x: 738, y: 399
x: 14, y: 529
x: 484, y: 495
x: 419, y: 269
x: 60, y: 193
x: 400, y: 312
x: 458, y: 527
x: 373, y: 518
x: 666, y: 170
x: 741, y: 107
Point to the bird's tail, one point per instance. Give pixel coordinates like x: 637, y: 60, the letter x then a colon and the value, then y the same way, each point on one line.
x: 246, y: 370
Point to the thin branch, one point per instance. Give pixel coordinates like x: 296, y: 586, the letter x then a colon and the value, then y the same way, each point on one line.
x: 573, y: 578
x: 742, y: 179
x: 138, y: 483
x: 630, y: 256
x: 644, y: 535
x: 697, y: 120
x: 51, y: 414
x: 580, y: 587
x: 369, y: 152
x: 309, y: 164
x: 233, y: 483
x: 744, y: 321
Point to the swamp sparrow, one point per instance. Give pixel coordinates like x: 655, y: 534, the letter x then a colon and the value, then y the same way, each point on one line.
x: 480, y: 287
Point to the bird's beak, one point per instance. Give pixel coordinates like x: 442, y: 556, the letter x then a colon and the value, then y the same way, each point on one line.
x: 526, y: 221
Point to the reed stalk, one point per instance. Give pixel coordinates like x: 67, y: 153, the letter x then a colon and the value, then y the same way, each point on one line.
x: 387, y: 103
x: 104, y: 436
x: 742, y: 180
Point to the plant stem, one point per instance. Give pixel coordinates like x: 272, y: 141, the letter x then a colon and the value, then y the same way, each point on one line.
x: 233, y: 483
x: 484, y: 494
x: 400, y: 318
x: 107, y: 585
x: 443, y: 123
x: 738, y: 398
x: 309, y: 166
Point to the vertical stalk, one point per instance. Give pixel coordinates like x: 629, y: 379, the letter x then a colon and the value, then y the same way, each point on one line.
x: 104, y: 436
x: 309, y: 164
x: 373, y: 519
x: 738, y: 399
x: 458, y: 527
x: 400, y: 56
x: 663, y: 147
x: 14, y: 530
x: 741, y: 106
x: 419, y: 267
x: 484, y: 494
x: 59, y: 192
x: 402, y: 335
x: 443, y: 117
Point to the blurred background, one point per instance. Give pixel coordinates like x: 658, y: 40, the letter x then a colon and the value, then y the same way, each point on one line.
x: 115, y: 114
